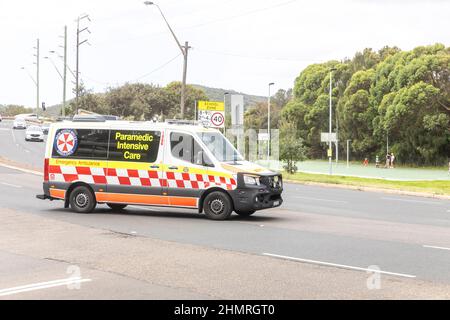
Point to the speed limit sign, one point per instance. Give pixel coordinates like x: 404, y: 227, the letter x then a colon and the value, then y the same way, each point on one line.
x: 212, y: 112
x: 218, y: 119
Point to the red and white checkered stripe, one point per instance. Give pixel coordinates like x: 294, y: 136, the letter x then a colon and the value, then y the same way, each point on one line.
x: 144, y: 178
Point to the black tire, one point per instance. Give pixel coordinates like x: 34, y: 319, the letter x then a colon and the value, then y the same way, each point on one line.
x: 116, y: 206
x: 245, y: 213
x: 217, y: 206
x: 82, y: 200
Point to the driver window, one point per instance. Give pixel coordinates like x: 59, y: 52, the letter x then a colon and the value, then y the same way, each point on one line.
x: 184, y: 147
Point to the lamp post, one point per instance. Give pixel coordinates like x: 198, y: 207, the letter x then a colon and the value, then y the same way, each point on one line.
x: 184, y: 50
x: 330, y: 150
x: 268, y: 124
x: 225, y: 109
x: 77, y: 73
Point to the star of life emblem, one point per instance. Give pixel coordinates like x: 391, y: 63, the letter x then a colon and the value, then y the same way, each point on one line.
x: 66, y: 143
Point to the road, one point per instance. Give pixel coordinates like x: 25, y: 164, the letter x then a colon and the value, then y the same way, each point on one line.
x: 319, y: 244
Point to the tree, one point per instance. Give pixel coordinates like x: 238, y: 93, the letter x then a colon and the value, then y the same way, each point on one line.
x: 292, y: 149
x: 405, y: 94
x: 12, y: 110
x: 173, y: 94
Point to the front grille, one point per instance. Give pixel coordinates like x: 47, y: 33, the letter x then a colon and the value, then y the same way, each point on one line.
x: 272, y: 182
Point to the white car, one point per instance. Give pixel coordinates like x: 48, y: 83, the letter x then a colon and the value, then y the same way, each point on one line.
x: 34, y: 133
x: 19, y: 123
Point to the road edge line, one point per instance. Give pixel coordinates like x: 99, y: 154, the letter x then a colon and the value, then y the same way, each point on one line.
x: 370, y: 189
x: 37, y: 173
x: 342, y: 266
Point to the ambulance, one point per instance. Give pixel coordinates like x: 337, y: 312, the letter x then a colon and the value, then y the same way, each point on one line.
x: 91, y: 160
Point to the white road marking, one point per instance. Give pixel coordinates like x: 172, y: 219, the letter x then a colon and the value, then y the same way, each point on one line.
x: 21, y: 169
x: 414, y: 201
x: 10, y: 185
x: 319, y: 199
x: 338, y: 265
x: 434, y: 247
x: 42, y: 285
x: 14, y: 138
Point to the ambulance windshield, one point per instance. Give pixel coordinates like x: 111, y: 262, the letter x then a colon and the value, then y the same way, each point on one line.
x: 220, y: 147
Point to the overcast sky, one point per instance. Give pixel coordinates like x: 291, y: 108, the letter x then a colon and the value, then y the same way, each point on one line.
x: 236, y: 44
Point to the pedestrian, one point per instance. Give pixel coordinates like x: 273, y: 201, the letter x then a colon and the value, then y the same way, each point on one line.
x: 366, y: 162
x: 388, y: 161
x: 377, y: 162
x: 392, y: 160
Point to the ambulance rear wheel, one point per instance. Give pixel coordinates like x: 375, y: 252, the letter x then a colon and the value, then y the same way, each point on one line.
x: 218, y: 206
x: 82, y: 200
x: 116, y: 206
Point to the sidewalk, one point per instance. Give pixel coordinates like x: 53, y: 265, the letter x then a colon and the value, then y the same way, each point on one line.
x: 358, y: 170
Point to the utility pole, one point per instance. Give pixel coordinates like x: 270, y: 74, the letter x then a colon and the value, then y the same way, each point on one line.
x: 330, y: 124
x: 183, y: 84
x: 268, y: 125
x: 77, y: 73
x: 337, y: 137
x: 63, y: 111
x: 37, y: 76
x: 348, y: 153
x: 184, y: 50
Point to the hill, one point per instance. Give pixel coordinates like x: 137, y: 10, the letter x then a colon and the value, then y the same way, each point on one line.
x: 213, y: 94
x: 216, y: 94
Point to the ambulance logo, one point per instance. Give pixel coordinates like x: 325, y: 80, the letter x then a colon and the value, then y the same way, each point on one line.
x: 66, y: 143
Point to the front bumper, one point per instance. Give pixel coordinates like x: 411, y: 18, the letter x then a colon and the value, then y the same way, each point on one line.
x: 38, y: 138
x: 250, y: 198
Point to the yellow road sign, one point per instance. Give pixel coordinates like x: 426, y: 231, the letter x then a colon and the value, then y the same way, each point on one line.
x: 211, y: 106
x: 330, y: 153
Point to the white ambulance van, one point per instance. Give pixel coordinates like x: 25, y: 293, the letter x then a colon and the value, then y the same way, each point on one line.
x: 90, y: 161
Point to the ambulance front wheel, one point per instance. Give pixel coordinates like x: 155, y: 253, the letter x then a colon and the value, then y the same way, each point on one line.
x: 82, y: 200
x: 218, y: 206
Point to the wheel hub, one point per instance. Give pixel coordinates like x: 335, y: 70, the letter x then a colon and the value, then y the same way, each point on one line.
x: 217, y: 206
x: 81, y: 200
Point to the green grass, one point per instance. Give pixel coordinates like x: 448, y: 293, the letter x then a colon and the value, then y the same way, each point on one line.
x: 433, y: 187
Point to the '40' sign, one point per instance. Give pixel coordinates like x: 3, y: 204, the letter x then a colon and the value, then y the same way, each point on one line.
x: 212, y: 112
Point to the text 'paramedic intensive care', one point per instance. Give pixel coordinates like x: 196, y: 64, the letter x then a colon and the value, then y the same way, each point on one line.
x: 133, y: 142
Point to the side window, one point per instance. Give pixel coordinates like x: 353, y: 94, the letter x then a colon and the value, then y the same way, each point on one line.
x: 80, y: 144
x: 133, y: 145
x: 184, y: 147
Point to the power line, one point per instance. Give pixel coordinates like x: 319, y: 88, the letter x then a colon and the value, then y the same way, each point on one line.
x: 238, y: 55
x: 239, y: 15
x: 158, y: 68
x: 139, y: 78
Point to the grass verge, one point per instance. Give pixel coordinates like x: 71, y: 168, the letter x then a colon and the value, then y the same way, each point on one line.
x: 437, y: 187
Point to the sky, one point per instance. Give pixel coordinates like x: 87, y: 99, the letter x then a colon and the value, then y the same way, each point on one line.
x: 236, y: 44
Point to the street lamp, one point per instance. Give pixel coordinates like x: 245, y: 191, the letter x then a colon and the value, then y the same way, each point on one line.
x: 268, y: 125
x: 225, y: 109
x: 330, y: 150
x: 184, y: 50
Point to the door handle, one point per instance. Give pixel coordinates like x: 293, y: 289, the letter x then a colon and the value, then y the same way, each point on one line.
x: 154, y: 167
x: 173, y: 168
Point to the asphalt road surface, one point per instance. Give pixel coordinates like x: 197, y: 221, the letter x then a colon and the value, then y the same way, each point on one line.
x: 322, y: 243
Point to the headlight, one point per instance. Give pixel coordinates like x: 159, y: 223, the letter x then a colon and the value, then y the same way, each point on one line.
x: 251, y: 180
